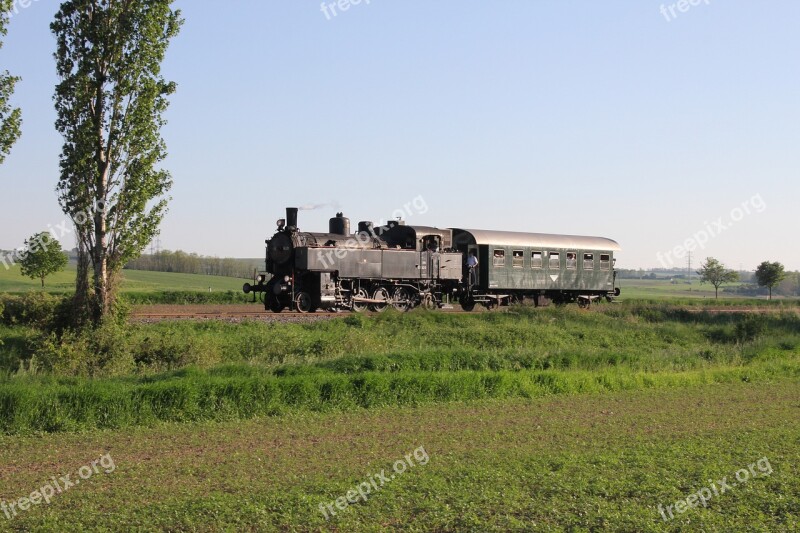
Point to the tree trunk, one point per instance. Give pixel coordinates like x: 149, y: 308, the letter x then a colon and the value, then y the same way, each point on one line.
x: 99, y: 253
x: 43, y: 282
x: 81, y: 301
x: 101, y: 289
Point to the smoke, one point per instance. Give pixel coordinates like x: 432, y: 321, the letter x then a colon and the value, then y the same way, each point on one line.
x: 314, y: 207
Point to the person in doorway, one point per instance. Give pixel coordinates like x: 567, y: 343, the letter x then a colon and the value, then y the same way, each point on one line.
x: 472, y: 264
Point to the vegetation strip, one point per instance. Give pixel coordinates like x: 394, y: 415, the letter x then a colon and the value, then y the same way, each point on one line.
x: 114, y: 404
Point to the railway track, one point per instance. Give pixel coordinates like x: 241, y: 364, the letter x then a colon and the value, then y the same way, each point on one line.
x: 239, y: 313
x: 157, y: 313
x: 228, y: 315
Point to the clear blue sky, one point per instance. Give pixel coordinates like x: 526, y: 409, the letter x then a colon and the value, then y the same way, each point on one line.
x: 593, y: 118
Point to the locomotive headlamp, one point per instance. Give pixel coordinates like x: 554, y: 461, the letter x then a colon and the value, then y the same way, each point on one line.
x: 281, y: 223
x: 286, y: 279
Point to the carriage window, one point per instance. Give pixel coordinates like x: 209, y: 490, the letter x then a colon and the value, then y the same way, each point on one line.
x: 499, y: 259
x: 605, y: 262
x: 536, y: 259
x: 588, y: 261
x: 518, y: 259
x: 572, y: 260
x: 555, y: 260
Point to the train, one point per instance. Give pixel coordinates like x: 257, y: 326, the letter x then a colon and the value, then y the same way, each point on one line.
x: 406, y: 266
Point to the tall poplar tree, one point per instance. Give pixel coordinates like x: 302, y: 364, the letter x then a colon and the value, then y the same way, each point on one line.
x: 10, y: 119
x: 110, y: 103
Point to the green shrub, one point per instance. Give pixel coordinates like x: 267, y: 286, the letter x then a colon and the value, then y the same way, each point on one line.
x: 750, y: 328
x: 170, y: 351
x: 103, y: 351
x: 36, y: 309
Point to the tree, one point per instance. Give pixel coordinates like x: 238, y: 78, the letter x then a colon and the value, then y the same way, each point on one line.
x: 715, y: 273
x: 42, y: 256
x: 110, y: 101
x: 769, y: 274
x: 10, y: 119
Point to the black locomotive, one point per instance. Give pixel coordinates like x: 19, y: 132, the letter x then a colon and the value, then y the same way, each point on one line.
x: 406, y: 266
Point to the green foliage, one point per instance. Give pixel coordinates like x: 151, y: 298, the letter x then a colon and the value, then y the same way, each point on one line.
x: 10, y: 118
x: 43, y: 256
x: 715, y: 273
x: 211, y: 370
x: 185, y: 297
x: 110, y: 104
x: 192, y: 395
x: 770, y: 274
x: 36, y: 309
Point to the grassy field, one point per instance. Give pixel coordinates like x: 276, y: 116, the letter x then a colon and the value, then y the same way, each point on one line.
x: 565, y: 463
x: 664, y: 289
x: 138, y: 281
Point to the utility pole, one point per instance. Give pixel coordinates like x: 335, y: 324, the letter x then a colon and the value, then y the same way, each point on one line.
x: 689, y: 267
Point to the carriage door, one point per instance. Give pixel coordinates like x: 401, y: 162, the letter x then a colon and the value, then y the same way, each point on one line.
x: 429, y: 257
x: 472, y: 275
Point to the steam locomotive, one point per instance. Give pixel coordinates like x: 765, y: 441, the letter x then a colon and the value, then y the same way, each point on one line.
x: 406, y: 266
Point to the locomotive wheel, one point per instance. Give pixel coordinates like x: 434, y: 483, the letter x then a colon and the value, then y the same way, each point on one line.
x: 274, y: 304
x: 401, y: 299
x: 302, y: 302
x: 380, y: 294
x: 467, y: 303
x: 360, y: 307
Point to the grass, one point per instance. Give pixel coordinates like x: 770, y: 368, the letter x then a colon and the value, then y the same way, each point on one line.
x: 565, y: 463
x: 191, y: 396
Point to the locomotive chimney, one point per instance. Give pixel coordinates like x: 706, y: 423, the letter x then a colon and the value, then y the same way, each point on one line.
x: 291, y: 218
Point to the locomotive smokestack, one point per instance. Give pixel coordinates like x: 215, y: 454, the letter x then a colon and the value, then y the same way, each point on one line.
x: 291, y: 218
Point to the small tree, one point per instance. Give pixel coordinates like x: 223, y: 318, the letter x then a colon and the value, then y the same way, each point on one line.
x: 769, y: 274
x: 715, y: 273
x: 43, y: 256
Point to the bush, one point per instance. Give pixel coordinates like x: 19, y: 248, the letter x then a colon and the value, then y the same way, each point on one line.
x: 37, y: 309
x: 172, y: 350
x: 104, y: 351
x: 750, y: 328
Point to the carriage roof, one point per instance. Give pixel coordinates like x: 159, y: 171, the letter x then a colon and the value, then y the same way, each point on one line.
x: 542, y: 240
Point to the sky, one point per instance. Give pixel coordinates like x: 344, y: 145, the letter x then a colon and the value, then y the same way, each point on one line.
x: 668, y: 131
